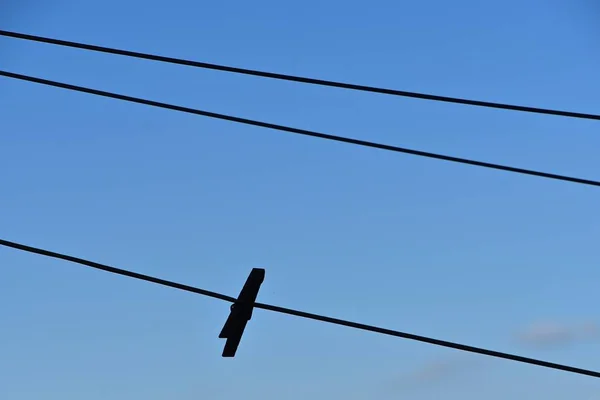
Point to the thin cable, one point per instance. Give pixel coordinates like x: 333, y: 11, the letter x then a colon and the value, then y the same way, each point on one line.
x: 303, y: 314
x: 299, y: 79
x: 298, y: 131
x: 424, y: 339
x: 117, y: 271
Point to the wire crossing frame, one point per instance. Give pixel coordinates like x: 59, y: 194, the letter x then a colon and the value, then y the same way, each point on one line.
x: 302, y: 314
x: 297, y: 131
x: 295, y: 78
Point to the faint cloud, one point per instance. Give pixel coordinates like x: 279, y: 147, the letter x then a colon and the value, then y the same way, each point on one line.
x: 436, y: 372
x: 550, y: 333
x: 543, y: 333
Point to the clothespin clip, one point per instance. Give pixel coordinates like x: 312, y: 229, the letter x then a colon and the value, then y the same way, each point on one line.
x: 241, y: 312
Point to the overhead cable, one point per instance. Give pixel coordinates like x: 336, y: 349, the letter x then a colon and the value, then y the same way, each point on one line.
x: 299, y: 79
x: 299, y: 131
x: 302, y: 314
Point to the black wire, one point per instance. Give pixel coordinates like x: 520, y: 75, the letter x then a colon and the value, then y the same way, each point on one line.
x: 424, y: 339
x: 299, y: 131
x: 303, y: 314
x: 117, y: 271
x: 300, y: 79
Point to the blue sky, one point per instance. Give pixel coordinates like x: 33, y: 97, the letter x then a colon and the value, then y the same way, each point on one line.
x: 449, y: 251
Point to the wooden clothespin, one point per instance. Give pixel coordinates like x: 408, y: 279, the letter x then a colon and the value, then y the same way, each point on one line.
x: 241, y: 312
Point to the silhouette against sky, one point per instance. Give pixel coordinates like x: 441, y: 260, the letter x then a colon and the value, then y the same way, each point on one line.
x: 449, y: 251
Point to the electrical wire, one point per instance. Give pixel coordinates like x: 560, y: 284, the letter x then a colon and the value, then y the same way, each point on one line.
x: 297, y: 130
x: 302, y: 314
x: 299, y: 79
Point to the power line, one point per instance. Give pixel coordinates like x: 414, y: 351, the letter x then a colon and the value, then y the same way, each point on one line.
x: 303, y: 314
x: 298, y: 130
x: 299, y: 79
x: 117, y: 271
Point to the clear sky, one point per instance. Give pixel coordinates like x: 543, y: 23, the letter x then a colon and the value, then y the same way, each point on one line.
x: 438, y: 249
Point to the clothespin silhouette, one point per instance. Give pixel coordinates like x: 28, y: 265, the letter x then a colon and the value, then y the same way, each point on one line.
x: 241, y: 312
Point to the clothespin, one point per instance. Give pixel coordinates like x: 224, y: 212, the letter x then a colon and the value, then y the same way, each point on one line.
x: 241, y: 312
